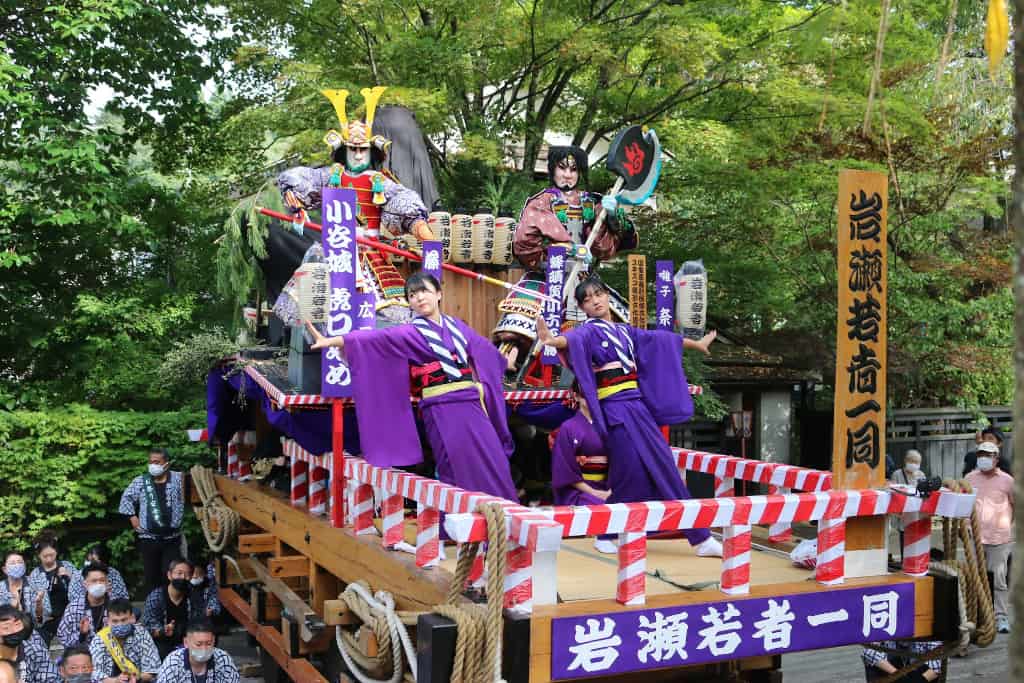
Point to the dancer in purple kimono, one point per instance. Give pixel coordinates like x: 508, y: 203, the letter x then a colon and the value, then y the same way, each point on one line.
x: 632, y: 381
x: 463, y: 406
x: 579, y: 466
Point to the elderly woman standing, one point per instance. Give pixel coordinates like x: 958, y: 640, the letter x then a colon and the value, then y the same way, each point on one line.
x: 16, y: 591
x: 907, y: 475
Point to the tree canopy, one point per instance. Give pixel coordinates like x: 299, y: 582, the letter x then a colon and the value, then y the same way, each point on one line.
x: 107, y: 252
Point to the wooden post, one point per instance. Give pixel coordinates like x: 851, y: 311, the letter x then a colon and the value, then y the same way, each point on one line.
x: 858, y: 445
x: 337, y: 464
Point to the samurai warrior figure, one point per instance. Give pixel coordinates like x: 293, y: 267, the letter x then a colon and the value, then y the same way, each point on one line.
x: 383, y: 203
x: 561, y: 214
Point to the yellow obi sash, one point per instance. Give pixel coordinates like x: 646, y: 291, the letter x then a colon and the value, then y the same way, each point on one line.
x: 117, y: 652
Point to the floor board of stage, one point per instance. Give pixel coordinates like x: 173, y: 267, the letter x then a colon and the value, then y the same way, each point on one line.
x: 672, y: 566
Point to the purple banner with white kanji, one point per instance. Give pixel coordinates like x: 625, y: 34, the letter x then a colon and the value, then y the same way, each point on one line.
x: 432, y: 251
x: 339, y: 245
x: 366, y: 310
x: 552, y: 310
x: 619, y: 642
x: 664, y: 296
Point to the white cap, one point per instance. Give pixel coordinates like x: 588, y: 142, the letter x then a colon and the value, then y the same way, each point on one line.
x: 987, y: 447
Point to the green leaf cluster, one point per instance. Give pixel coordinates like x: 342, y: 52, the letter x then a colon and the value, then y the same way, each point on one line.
x: 65, y: 468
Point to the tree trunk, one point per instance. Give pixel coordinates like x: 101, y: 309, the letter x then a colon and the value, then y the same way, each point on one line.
x: 1017, y: 220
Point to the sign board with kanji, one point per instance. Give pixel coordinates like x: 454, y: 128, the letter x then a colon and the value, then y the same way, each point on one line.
x: 858, y: 446
x: 637, y: 265
x: 723, y: 629
x: 338, y: 239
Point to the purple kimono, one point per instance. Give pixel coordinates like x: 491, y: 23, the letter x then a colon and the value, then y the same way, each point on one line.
x: 640, y: 463
x: 575, y: 437
x: 471, y: 447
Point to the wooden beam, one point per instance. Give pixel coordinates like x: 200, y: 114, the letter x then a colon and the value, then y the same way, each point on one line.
x: 323, y: 586
x: 337, y: 613
x: 252, y: 544
x: 338, y: 551
x: 284, y: 567
x: 309, y: 622
x: 269, y: 639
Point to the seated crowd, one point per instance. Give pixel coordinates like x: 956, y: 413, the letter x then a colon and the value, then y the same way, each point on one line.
x: 87, y: 616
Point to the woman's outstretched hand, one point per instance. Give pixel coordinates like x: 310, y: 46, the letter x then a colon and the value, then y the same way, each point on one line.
x: 704, y: 345
x: 320, y: 341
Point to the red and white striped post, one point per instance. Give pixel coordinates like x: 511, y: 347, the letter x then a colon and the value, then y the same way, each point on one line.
x: 318, y: 490
x: 518, y: 582
x: 233, y: 457
x: 725, y: 487
x: 428, y: 536
x: 917, y: 543
x: 362, y: 512
x: 393, y: 519
x: 337, y: 464
x: 300, y: 482
x: 632, y: 584
x: 476, y: 570
x: 780, y: 531
x: 831, y: 567
x: 736, y: 559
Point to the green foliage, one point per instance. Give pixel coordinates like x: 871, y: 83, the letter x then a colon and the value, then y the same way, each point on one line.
x: 190, y: 360
x: 66, y: 468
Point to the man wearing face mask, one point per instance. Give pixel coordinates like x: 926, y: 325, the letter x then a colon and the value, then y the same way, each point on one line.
x: 200, y: 661
x: 123, y: 652
x: 994, y: 506
x: 993, y: 435
x: 169, y: 609
x: 88, y: 612
x: 76, y: 665
x: 28, y: 652
x: 155, y: 504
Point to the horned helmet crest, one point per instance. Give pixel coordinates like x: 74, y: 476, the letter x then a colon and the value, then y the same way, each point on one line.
x: 355, y: 133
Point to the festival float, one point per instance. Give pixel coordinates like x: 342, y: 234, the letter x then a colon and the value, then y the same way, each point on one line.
x: 342, y: 555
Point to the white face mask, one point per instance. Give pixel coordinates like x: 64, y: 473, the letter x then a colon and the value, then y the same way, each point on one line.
x: 911, y: 467
x: 196, y: 582
x: 985, y: 464
x: 155, y: 470
x: 97, y: 590
x: 202, y: 654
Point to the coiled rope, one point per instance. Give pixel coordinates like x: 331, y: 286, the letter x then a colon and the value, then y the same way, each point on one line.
x: 214, y: 511
x: 478, y: 627
x: 977, y: 615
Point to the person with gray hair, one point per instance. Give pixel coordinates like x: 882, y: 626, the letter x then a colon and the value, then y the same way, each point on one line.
x: 908, y: 475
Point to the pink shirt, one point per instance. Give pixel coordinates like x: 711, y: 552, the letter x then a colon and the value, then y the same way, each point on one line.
x: 994, y: 504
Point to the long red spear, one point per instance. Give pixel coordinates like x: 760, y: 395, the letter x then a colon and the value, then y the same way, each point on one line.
x: 366, y: 241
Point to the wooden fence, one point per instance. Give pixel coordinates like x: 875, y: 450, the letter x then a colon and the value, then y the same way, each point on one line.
x: 943, y: 436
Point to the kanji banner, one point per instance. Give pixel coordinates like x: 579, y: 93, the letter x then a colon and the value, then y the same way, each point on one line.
x: 432, y: 258
x: 553, y: 306
x: 858, y: 449
x: 637, y: 265
x: 339, y: 245
x: 664, y: 295
x: 366, y: 310
x: 620, y: 642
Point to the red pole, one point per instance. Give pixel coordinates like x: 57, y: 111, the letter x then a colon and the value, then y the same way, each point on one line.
x: 337, y: 464
x: 367, y: 242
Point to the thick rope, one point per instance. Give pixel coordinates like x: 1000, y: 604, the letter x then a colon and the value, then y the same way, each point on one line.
x: 478, y: 627
x: 214, y: 510
x: 389, y: 627
x: 973, y: 571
